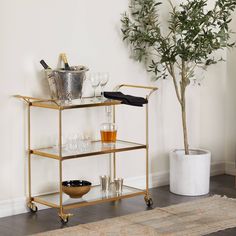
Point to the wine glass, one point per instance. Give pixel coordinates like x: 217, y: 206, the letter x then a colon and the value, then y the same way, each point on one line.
x: 95, y: 81
x: 82, y: 90
x: 103, y: 81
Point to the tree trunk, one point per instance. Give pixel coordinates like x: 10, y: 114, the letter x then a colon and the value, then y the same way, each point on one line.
x: 184, y: 123
x: 180, y: 93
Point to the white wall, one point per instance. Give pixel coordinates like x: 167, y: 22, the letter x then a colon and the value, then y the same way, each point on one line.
x: 89, y: 31
x: 230, y: 131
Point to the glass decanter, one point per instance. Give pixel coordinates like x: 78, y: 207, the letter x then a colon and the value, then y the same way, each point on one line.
x: 108, y: 130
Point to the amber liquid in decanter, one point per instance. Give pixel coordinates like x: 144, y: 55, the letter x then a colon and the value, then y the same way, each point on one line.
x: 108, y: 130
x: 108, y: 136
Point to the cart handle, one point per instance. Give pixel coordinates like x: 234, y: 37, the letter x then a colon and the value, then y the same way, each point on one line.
x: 34, y: 100
x: 153, y: 89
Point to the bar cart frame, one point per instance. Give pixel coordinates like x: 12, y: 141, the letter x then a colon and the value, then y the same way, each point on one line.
x: 61, y: 156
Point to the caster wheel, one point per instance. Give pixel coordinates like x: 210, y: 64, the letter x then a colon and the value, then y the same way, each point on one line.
x: 64, y: 220
x: 149, y: 202
x: 33, y: 208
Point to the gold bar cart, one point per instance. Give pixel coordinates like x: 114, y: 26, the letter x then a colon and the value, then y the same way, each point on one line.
x: 60, y: 200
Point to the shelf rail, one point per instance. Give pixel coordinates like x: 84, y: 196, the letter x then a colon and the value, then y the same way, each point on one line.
x: 32, y: 100
x: 153, y: 89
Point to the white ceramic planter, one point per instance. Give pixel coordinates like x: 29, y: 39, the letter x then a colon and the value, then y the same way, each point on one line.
x: 190, y: 174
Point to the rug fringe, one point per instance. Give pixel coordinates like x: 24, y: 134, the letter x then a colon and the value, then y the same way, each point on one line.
x: 223, y: 196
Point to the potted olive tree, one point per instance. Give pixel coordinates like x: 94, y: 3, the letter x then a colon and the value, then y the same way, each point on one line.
x: 186, y: 42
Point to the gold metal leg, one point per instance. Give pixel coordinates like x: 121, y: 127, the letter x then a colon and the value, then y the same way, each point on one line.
x: 147, y: 197
x: 114, y: 154
x: 29, y: 153
x: 64, y: 217
x: 60, y: 161
x: 60, y: 182
x: 114, y: 166
x: 33, y: 208
x: 147, y: 153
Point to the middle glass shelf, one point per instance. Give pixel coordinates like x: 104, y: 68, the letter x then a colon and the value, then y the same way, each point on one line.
x: 95, y: 148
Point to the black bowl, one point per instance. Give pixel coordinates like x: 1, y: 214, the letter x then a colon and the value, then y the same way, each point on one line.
x: 76, y: 188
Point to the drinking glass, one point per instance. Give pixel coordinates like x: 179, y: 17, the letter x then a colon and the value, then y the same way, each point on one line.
x: 72, y: 142
x: 118, y: 185
x: 95, y: 81
x: 105, y: 182
x: 103, y: 81
x: 84, y: 143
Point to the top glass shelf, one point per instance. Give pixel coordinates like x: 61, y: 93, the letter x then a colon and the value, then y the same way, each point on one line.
x: 61, y: 105
x: 86, y: 102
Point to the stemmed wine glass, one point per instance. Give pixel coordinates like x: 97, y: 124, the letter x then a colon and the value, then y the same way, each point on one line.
x: 103, y: 81
x: 95, y: 81
x: 81, y: 94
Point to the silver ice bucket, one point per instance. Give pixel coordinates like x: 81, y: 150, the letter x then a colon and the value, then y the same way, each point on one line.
x: 66, y: 84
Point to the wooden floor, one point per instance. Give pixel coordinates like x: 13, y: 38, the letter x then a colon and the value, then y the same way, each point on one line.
x: 45, y: 220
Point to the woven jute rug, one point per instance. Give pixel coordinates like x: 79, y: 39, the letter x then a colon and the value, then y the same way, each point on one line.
x: 198, y: 217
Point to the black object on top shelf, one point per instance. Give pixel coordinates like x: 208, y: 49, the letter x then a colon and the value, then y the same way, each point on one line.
x: 126, y: 99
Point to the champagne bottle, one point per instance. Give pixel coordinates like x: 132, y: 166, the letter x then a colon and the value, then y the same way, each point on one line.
x: 45, y: 65
x: 64, y: 59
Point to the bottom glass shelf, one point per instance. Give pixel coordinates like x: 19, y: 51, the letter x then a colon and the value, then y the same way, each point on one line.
x: 94, y: 196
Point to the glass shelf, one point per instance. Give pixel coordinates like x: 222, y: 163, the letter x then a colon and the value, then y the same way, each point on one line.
x: 95, y: 148
x: 95, y: 195
x: 76, y: 103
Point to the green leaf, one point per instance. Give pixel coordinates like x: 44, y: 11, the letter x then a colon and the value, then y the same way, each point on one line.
x: 196, y: 31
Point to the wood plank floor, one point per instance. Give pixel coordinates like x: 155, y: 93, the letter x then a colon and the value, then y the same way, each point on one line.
x: 45, y: 220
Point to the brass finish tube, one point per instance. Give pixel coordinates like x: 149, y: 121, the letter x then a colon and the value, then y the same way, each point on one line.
x: 29, y: 153
x: 60, y: 161
x: 114, y: 166
x: 61, y: 200
x: 137, y: 86
x: 114, y: 154
x: 147, y: 151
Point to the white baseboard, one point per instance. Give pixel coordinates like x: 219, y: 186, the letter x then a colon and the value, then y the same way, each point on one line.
x: 162, y: 178
x: 230, y: 168
x: 18, y: 206
x: 155, y: 180
x: 217, y: 168
x: 13, y: 207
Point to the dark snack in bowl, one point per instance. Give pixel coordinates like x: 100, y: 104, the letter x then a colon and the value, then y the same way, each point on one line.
x: 76, y: 188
